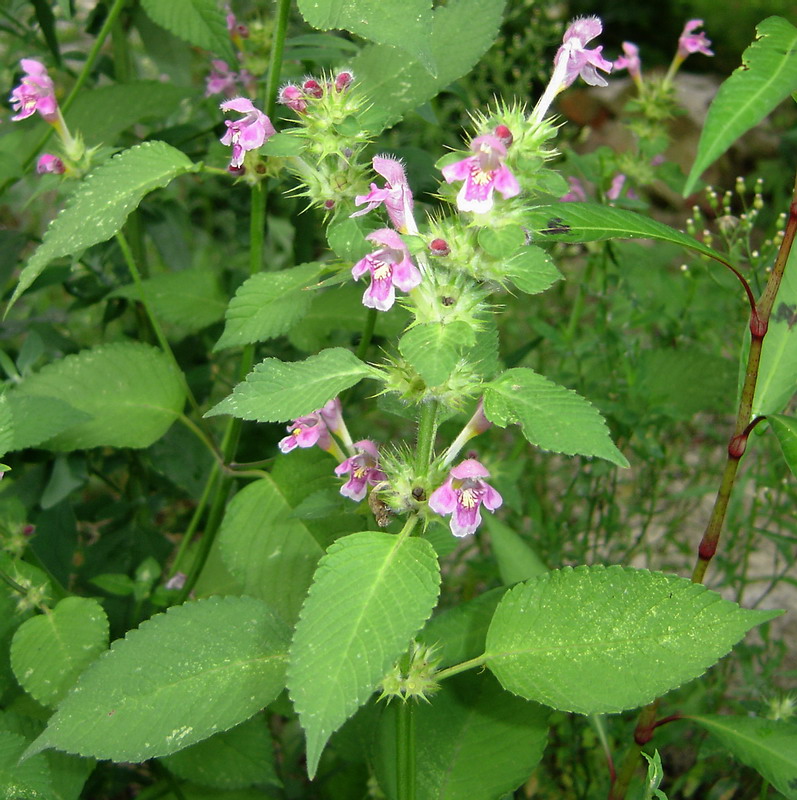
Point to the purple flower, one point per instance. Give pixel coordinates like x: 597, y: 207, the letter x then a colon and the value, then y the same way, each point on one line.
x: 247, y: 133
x: 463, y: 493
x: 690, y: 42
x: 581, y: 61
x: 618, y: 181
x: 49, y: 163
x: 630, y: 61
x: 576, y: 193
x: 34, y: 93
x: 482, y: 173
x: 395, y: 194
x: 363, y: 470
x: 313, y: 429
x: 292, y: 96
x: 390, y: 266
x: 222, y: 80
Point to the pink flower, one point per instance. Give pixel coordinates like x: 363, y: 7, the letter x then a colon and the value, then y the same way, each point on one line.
x: 34, y: 93
x: 463, y: 493
x: 618, y: 181
x: 690, y: 42
x: 363, y: 470
x: 247, y: 133
x: 576, y: 193
x: 49, y: 163
x: 313, y: 429
x: 482, y: 173
x: 390, y: 266
x: 292, y: 96
x: 581, y: 61
x: 395, y: 194
x: 630, y: 61
x: 222, y: 80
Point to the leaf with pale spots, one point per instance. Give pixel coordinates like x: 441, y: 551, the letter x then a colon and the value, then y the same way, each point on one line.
x: 139, y: 699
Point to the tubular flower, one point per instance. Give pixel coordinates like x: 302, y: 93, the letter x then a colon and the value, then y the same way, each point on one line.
x: 48, y: 163
x: 690, y: 42
x: 222, y: 80
x: 363, y: 470
x: 34, y: 93
x: 395, y: 194
x: 313, y: 429
x: 390, y: 266
x: 579, y: 60
x: 482, y: 173
x: 576, y: 193
x: 630, y: 61
x: 247, y: 133
x: 462, y: 495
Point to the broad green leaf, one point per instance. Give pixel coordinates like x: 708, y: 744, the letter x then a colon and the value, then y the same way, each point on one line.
x: 276, y: 391
x: 268, y: 304
x: 434, y: 348
x: 767, y: 76
x: 516, y: 560
x: 502, y: 242
x: 532, y: 270
x: 768, y: 746
x: 269, y: 552
x: 777, y: 370
x: 198, y: 22
x: 30, y: 780
x: 473, y: 741
x: 598, y: 640
x: 130, y: 391
x: 123, y: 105
x: 551, y: 417
x: 69, y: 774
x: 404, y: 24
x: 233, y: 759
x: 371, y: 593
x: 591, y: 222
x: 785, y: 428
x: 99, y: 207
x: 139, y: 700
x: 192, y: 299
x: 27, y: 421
x: 461, y: 33
x: 50, y: 650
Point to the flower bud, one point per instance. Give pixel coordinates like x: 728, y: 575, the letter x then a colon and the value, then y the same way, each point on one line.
x: 504, y: 134
x: 292, y: 97
x: 51, y: 164
x: 439, y: 247
x: 343, y: 80
x: 312, y: 88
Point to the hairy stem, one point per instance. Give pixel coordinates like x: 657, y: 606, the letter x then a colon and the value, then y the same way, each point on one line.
x: 405, y: 750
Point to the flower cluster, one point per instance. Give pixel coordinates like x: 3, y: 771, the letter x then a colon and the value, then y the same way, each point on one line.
x: 299, y: 96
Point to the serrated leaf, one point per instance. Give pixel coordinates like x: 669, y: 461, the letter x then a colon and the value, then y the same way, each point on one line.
x: 198, y: 22
x: 268, y: 304
x: 30, y: 780
x: 598, y: 640
x: 434, y: 349
x: 768, y: 746
x: 50, y: 650
x: 191, y: 298
x: 123, y: 105
x: 278, y: 391
x: 473, y: 741
x: 532, y: 270
x: 591, y: 222
x: 233, y: 759
x: 130, y: 392
x: 100, y: 205
x: 270, y: 553
x: 370, y: 595
x: 139, y: 700
x: 551, y: 417
x: 767, y: 76
x: 27, y: 421
x: 461, y: 33
x: 785, y: 428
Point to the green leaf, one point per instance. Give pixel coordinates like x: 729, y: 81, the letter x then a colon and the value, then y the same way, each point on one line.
x: 532, y: 270
x: 269, y: 552
x: 30, y: 780
x: 233, y: 759
x: 276, y: 391
x: 654, y: 777
x: 50, y: 650
x: 551, y: 417
x: 516, y: 560
x: 404, y: 24
x: 777, y: 370
x: 130, y: 391
x: 461, y: 33
x: 268, y: 304
x: 767, y: 76
x: 473, y: 741
x: 192, y: 299
x: 123, y: 105
x: 591, y: 222
x: 370, y: 595
x: 785, y: 428
x: 27, y: 421
x: 99, y: 207
x: 768, y: 746
x: 139, y: 700
x: 598, y: 640
x: 434, y: 348
x: 198, y: 22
